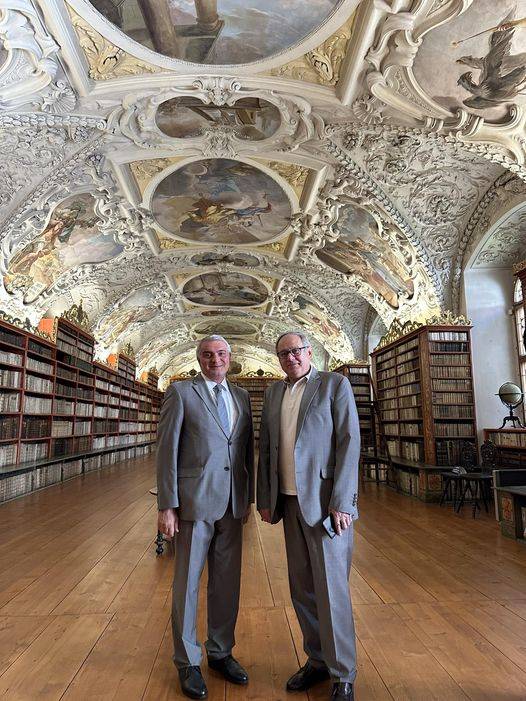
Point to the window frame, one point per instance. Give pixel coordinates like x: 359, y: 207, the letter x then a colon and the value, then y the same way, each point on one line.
x: 519, y: 308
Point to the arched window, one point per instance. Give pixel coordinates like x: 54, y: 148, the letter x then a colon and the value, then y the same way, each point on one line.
x: 518, y: 310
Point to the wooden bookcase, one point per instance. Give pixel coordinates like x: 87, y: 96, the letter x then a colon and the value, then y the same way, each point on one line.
x: 425, y: 396
x: 360, y: 378
x: 57, y: 403
x: 256, y: 387
x: 511, y: 445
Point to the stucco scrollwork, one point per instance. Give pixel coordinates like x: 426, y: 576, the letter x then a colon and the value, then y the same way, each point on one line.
x: 32, y: 65
x: 135, y: 119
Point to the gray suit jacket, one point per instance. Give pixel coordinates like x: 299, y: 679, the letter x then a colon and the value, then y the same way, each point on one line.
x: 326, y: 452
x: 198, y: 465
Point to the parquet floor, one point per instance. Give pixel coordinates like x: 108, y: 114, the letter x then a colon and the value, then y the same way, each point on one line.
x: 440, y: 601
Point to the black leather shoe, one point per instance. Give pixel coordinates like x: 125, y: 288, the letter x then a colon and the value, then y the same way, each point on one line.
x: 230, y: 669
x: 342, y: 691
x: 306, y: 677
x: 192, y: 682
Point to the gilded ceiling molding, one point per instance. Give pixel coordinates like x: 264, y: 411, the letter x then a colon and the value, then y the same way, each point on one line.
x: 144, y: 171
x: 519, y: 267
x: 276, y: 247
x: 323, y: 64
x: 167, y: 244
x: 294, y: 174
x: 105, y: 60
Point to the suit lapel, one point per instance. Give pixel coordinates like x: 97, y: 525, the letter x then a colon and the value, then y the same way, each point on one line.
x: 237, y: 403
x: 201, y: 389
x: 274, y: 418
x: 310, y: 390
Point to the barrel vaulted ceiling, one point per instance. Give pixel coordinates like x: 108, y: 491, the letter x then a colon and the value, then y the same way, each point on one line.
x: 181, y: 167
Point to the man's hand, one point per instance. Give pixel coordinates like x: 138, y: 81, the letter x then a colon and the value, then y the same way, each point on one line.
x: 265, y: 515
x: 341, y: 520
x: 168, y: 522
x: 247, y: 514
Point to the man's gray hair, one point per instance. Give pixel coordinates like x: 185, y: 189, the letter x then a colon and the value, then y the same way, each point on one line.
x: 304, y: 340
x: 212, y: 337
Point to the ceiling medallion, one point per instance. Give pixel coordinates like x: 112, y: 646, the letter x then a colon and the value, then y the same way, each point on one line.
x: 219, y: 200
x: 230, y: 32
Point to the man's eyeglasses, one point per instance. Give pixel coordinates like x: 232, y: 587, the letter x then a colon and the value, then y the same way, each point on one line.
x: 296, y: 352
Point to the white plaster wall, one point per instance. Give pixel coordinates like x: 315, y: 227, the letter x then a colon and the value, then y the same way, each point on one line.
x: 488, y: 298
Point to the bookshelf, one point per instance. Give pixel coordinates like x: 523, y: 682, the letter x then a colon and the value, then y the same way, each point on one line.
x: 425, y: 394
x: 256, y: 387
x: 511, y: 445
x: 359, y: 376
x: 59, y: 405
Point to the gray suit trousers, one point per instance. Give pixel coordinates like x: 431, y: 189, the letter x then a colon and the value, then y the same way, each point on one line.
x: 319, y: 569
x: 220, y: 543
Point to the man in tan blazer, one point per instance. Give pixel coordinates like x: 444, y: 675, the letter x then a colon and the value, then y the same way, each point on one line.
x: 205, y: 480
x: 308, y: 476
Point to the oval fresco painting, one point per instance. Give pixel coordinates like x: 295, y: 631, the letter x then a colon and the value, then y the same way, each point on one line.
x: 225, y: 328
x: 250, y: 118
x: 361, y: 251
x: 217, y: 31
x: 221, y: 201
x: 240, y: 260
x: 70, y: 239
x: 225, y: 289
x: 478, y: 60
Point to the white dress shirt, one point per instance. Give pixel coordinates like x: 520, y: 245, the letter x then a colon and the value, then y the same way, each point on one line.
x: 227, y: 396
x: 290, y: 407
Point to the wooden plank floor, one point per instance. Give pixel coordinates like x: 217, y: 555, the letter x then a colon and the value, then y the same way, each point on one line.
x: 440, y: 601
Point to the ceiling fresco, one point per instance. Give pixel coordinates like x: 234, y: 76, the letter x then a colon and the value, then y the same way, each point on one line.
x: 217, y: 31
x: 221, y: 201
x: 187, y: 117
x: 486, y: 72
x: 361, y: 251
x: 70, y: 238
x: 225, y: 289
x: 183, y: 168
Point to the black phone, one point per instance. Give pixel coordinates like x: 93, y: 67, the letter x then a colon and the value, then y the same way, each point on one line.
x: 327, y: 524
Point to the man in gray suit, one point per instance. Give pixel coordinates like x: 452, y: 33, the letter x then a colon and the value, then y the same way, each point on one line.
x: 308, y: 475
x: 205, y: 480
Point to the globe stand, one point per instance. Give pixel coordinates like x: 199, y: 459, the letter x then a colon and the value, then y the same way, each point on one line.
x: 511, y: 396
x: 511, y: 417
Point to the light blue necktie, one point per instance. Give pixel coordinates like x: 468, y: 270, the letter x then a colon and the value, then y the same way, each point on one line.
x: 221, y: 408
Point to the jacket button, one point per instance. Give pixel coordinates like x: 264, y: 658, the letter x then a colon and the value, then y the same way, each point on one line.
x: 229, y: 442
x: 227, y: 468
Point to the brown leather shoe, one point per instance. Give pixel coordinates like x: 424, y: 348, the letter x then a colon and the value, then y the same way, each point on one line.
x: 342, y: 691
x: 306, y: 677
